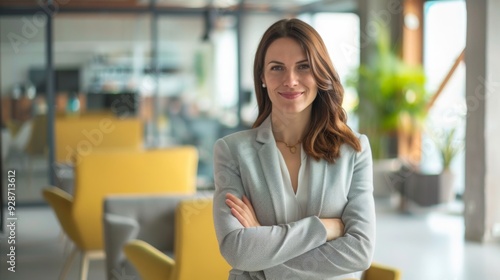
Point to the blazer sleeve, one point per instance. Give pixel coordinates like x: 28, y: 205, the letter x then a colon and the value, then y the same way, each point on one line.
x: 256, y: 248
x: 354, y: 251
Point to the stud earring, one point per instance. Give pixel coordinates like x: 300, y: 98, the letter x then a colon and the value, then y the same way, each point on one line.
x: 263, y: 85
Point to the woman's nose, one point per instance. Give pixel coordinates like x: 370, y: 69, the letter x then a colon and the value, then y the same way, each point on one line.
x: 291, y: 79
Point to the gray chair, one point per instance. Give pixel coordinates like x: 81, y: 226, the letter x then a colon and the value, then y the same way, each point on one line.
x: 145, y: 217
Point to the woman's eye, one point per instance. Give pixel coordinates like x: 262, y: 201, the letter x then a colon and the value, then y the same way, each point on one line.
x: 304, y: 67
x: 277, y: 68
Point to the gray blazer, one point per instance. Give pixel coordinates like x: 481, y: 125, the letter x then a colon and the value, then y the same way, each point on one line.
x: 247, y: 163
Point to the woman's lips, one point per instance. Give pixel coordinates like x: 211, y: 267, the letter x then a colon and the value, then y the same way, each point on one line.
x: 290, y: 95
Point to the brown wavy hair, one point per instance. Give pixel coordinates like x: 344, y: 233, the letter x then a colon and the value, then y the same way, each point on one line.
x: 328, y: 128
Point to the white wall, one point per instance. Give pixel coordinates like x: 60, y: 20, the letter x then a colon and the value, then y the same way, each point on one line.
x: 492, y: 130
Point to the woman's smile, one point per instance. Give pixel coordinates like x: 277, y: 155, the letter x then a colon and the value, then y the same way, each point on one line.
x: 291, y: 94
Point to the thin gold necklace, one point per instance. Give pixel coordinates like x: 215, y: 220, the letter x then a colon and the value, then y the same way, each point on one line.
x: 292, y: 148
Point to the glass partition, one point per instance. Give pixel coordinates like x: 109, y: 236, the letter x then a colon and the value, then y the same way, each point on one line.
x: 98, y: 58
x: 197, y: 85
x: 24, y: 122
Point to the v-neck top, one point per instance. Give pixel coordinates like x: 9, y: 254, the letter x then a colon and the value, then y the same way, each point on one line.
x: 295, y: 203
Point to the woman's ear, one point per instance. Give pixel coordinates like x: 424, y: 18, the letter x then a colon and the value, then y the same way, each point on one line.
x: 263, y: 81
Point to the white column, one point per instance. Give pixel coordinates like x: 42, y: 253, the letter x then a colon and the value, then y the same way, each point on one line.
x: 482, y: 177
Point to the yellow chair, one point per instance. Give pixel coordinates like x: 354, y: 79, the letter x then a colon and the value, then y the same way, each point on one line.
x: 76, y: 137
x: 196, y: 248
x: 62, y: 203
x: 102, y: 173
x: 382, y: 272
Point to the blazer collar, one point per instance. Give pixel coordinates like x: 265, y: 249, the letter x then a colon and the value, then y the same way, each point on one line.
x: 269, y: 161
x: 265, y: 131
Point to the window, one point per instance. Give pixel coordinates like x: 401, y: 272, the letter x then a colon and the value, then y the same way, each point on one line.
x: 444, y: 40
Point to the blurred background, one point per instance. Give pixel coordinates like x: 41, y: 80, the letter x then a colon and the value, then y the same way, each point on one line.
x: 184, y: 69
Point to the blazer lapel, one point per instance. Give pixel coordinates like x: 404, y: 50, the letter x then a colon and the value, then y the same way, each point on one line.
x: 268, y: 156
x: 316, y: 186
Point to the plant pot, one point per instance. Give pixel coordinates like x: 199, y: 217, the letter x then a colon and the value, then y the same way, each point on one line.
x: 447, y: 188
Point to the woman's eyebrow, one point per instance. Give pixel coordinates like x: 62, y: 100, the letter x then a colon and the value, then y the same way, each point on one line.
x: 278, y: 62
x: 275, y: 62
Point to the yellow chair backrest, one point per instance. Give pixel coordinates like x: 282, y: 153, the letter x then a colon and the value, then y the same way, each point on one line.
x: 197, y: 254
x: 76, y: 137
x: 62, y: 203
x: 150, y: 263
x: 382, y: 272
x: 100, y: 173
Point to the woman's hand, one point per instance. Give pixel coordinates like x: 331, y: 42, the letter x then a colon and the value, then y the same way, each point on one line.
x: 242, y: 210
x: 334, y: 228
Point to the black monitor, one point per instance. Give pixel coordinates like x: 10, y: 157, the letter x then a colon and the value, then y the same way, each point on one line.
x: 121, y: 104
x: 65, y: 79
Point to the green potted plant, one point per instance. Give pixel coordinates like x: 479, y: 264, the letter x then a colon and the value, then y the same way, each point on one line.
x: 449, y: 147
x: 391, y: 96
x: 392, y: 102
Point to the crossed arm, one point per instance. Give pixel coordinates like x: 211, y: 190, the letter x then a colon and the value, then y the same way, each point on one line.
x: 242, y: 210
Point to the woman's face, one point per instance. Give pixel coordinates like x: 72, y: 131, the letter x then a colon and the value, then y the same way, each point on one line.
x: 288, y: 77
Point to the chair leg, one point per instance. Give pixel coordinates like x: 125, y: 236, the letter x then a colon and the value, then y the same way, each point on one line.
x: 62, y: 238
x: 84, y: 269
x: 62, y: 235
x: 67, y: 243
x: 67, y: 264
x: 30, y: 171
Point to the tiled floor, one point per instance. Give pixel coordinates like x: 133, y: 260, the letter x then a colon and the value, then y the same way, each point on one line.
x: 427, y: 244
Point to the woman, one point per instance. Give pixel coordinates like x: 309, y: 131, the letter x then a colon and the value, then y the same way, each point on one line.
x: 293, y: 195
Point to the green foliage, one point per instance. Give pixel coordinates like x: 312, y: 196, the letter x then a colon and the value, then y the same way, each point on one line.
x: 388, y: 89
x: 449, y: 147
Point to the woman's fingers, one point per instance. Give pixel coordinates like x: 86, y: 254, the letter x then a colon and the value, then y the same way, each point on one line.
x: 240, y: 218
x: 237, y: 210
x: 252, y: 211
x: 235, y: 206
x: 247, y: 203
x: 235, y: 203
x: 242, y: 210
x: 235, y: 200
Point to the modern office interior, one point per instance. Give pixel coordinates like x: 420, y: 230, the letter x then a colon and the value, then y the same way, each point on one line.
x: 105, y: 99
